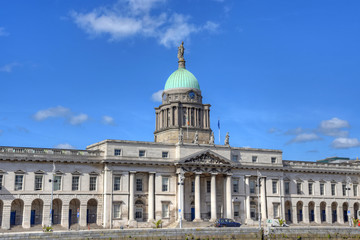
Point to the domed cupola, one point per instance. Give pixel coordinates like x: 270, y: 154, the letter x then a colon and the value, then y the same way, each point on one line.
x: 182, y: 78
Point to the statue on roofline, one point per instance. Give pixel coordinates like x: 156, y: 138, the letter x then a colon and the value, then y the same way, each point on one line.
x: 181, y: 49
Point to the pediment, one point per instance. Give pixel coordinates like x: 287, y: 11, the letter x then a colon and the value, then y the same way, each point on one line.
x: 39, y: 172
x: 76, y: 173
x: 206, y: 157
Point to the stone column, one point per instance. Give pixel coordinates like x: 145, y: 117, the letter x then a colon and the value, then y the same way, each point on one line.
x: 5, y: 224
x: 131, y: 197
x: 263, y: 199
x: 65, y: 216
x: 83, y: 215
x: 26, y: 216
x: 247, y: 198
x: 328, y: 214
x: 107, y: 205
x: 306, y: 214
x: 228, y: 197
x: 181, y: 197
x: 282, y: 202
x: 294, y: 214
x: 213, y: 197
x: 197, y: 197
x: 151, y: 201
x: 46, y: 215
x: 317, y: 214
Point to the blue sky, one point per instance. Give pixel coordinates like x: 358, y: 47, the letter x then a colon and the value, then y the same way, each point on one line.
x: 278, y: 74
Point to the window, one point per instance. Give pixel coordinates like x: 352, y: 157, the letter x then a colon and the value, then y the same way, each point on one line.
x: 142, y: 153
x: 344, y: 189
x: 57, y: 183
x: 236, y: 210
x: 208, y: 186
x: 165, y: 210
x: 254, y: 159
x: 117, y: 183
x: 117, y: 152
x: 276, y: 210
x: 18, y: 182
x: 333, y: 189
x: 139, y: 186
x: 273, y: 160
x: 117, y: 210
x: 287, y: 187
x: 252, y: 186
x: 38, y: 182
x: 274, y: 186
x: 75, y: 183
x: 165, y: 184
x: 322, y: 189
x: 1, y: 181
x: 165, y: 154
x: 92, y: 186
x: 236, y: 185
x: 138, y: 213
x: 234, y: 157
x: 192, y: 186
x: 354, y: 187
x: 298, y: 188
x: 310, y: 189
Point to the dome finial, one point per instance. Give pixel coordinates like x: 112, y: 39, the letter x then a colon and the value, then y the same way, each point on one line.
x: 181, y: 55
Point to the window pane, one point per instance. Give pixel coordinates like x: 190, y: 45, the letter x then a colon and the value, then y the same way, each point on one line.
x: 38, y: 182
x: 165, y: 183
x: 139, y: 185
x: 208, y: 186
x: 142, y: 153
x: 92, y: 183
x: 274, y: 187
x: 355, y: 189
x: 57, y: 183
x: 116, y: 183
x: 18, y: 182
x: 165, y: 154
x: 287, y: 188
x: 322, y: 189
x: 117, y: 152
x: 235, y: 185
x: 165, y: 210
x: 117, y: 211
x: 75, y: 183
x: 1, y: 181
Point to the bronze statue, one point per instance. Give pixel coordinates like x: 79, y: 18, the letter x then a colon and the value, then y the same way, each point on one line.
x: 181, y: 52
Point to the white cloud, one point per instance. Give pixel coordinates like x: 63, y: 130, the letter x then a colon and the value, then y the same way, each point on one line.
x: 61, y: 112
x: 107, y: 120
x: 305, y: 137
x: 3, y: 32
x: 157, y: 96
x: 133, y: 18
x: 8, y: 67
x: 64, y: 146
x: 343, y: 142
x: 333, y: 127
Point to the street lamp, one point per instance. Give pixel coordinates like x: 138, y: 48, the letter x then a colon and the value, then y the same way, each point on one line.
x: 258, y: 195
x: 348, y: 184
x: 52, y: 193
x: 181, y: 184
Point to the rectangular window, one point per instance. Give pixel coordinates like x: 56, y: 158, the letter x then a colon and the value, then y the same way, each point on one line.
x: 252, y: 186
x: 273, y: 160
x: 236, y: 185
x: 236, y: 210
x: 1, y: 181
x: 333, y: 189
x: 165, y: 154
x: 344, y: 189
x: 322, y: 189
x: 165, y: 210
x: 117, y: 210
x: 142, y: 153
x: 298, y: 188
x: 234, y: 158
x: 354, y: 186
x: 75, y: 183
x: 116, y: 183
x: 276, y: 210
x: 274, y: 186
x: 18, y: 182
x: 165, y: 184
x: 310, y: 189
x: 208, y: 186
x: 57, y: 183
x: 92, y: 186
x: 139, y: 185
x: 38, y: 182
x: 192, y: 186
x: 117, y: 152
x: 254, y: 159
x: 287, y: 187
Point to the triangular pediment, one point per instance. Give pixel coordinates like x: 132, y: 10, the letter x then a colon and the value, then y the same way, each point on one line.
x: 206, y: 157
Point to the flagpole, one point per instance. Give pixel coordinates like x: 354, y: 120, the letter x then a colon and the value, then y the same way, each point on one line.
x: 219, y: 129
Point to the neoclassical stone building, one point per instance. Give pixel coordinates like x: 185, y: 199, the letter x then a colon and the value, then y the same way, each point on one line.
x: 182, y: 174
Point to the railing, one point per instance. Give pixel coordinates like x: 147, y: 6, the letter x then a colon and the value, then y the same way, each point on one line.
x: 18, y: 150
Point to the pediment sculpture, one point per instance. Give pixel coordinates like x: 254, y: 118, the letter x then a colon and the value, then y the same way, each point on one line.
x: 206, y: 158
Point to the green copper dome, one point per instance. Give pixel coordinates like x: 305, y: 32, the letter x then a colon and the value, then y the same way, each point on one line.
x: 181, y: 78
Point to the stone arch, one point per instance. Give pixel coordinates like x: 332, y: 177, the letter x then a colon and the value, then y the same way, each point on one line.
x: 334, y: 212
x: 56, y: 213
x: 17, y: 210
x: 36, y: 212
x: 323, y: 211
x: 91, y: 211
x: 356, y: 209
x: 345, y: 208
x: 74, y: 207
x: 1, y: 211
x: 299, y: 211
x: 288, y: 213
x: 311, y: 211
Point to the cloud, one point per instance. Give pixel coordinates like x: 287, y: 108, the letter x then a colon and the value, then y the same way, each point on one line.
x: 9, y: 67
x: 61, y: 112
x: 133, y: 18
x: 3, y: 32
x: 107, y: 120
x: 157, y: 96
x: 333, y: 127
x: 343, y: 142
x: 294, y: 131
x: 64, y: 146
x: 305, y: 137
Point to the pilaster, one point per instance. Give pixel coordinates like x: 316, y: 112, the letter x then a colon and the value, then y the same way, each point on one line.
x: 83, y: 215
x: 213, y: 197
x: 6, y: 217
x: 228, y: 196
x: 26, y: 216
x: 197, y: 197
x: 151, y: 201
x: 65, y: 216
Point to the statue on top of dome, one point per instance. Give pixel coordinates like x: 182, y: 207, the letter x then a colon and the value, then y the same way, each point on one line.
x: 180, y: 54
